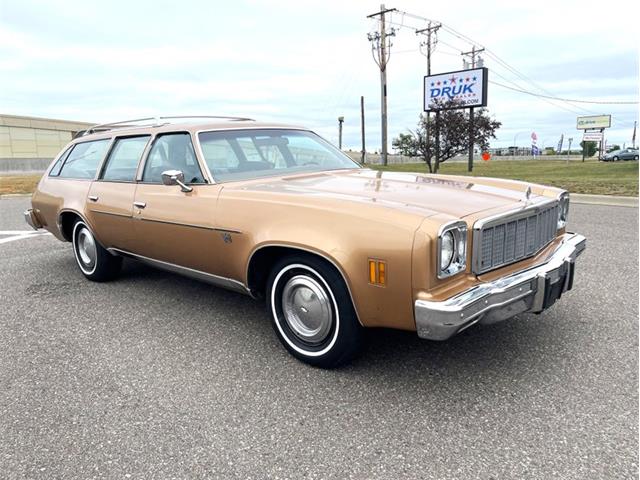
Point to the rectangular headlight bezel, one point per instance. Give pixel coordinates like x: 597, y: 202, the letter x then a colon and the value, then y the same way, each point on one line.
x: 563, y: 210
x: 458, y: 263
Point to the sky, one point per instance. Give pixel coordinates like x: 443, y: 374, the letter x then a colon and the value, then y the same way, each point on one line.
x: 308, y: 62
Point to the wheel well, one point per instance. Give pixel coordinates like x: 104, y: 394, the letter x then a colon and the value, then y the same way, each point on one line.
x: 66, y: 221
x: 264, y: 259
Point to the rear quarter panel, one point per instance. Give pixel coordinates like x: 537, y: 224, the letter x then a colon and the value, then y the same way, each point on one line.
x: 55, y: 195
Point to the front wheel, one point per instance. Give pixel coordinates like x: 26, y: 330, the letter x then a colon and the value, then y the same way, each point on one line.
x: 615, y: 159
x: 312, y: 312
x: 94, y: 261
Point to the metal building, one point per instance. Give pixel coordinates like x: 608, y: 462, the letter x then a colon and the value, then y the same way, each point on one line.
x: 28, y: 144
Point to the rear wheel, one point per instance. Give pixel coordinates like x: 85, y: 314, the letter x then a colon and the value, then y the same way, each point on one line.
x: 312, y: 312
x: 94, y: 261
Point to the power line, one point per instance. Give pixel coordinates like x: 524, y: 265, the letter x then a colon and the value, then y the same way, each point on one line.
x: 596, y: 102
x: 494, y: 56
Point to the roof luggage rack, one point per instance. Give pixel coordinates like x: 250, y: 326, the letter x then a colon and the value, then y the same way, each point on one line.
x: 152, y: 122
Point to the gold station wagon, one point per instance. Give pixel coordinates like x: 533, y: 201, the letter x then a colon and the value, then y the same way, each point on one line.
x: 276, y: 212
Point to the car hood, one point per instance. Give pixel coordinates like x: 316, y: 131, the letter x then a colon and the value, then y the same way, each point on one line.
x: 418, y: 193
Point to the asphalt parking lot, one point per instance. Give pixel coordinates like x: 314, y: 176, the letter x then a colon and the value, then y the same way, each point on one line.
x: 159, y: 376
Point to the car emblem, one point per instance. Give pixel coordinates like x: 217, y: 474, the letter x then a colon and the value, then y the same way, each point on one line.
x: 227, y: 237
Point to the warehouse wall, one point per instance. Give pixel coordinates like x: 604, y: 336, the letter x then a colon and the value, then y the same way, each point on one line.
x: 28, y: 144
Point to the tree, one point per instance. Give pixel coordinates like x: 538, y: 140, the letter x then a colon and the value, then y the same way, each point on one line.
x: 589, y: 148
x: 453, y: 126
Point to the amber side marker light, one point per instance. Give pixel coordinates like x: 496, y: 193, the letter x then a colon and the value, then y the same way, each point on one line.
x: 377, y: 272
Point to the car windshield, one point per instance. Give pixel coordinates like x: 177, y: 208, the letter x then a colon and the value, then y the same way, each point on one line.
x: 233, y: 155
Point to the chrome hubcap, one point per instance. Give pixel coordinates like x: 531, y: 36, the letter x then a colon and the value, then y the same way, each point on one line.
x: 307, y: 309
x: 86, y: 246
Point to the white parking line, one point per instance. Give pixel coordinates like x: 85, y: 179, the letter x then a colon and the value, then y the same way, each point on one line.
x: 20, y: 234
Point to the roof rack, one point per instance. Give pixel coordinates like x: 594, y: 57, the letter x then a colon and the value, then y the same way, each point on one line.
x: 153, y: 122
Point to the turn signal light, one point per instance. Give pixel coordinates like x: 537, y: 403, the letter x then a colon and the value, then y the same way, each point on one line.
x: 377, y: 272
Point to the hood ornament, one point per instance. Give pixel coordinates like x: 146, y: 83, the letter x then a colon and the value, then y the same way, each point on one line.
x: 527, y: 194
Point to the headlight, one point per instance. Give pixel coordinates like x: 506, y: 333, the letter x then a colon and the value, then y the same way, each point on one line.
x: 452, y: 249
x: 563, y: 209
x: 446, y: 251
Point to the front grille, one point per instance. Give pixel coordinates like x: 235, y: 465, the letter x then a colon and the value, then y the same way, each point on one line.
x: 513, y: 237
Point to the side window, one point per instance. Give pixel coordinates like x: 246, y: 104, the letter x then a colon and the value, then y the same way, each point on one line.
x: 122, y: 163
x: 83, y: 160
x: 55, y: 170
x: 173, y: 151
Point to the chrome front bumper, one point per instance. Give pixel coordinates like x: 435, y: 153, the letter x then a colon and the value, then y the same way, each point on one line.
x: 531, y: 290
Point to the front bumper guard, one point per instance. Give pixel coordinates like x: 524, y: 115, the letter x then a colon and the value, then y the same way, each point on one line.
x: 532, y: 290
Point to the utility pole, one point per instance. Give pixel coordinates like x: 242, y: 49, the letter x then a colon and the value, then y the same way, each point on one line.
x: 381, y: 47
x: 633, y: 140
x: 340, y: 122
x: 471, y: 54
x: 431, y: 42
x: 364, y: 151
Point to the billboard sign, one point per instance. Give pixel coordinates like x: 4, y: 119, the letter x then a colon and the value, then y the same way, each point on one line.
x: 594, y: 121
x: 467, y: 87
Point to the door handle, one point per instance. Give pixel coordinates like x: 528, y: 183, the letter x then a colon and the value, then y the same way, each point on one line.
x: 93, y: 198
x: 139, y: 204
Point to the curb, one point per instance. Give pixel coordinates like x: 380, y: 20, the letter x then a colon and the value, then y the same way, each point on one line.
x: 610, y: 200
x: 15, y: 195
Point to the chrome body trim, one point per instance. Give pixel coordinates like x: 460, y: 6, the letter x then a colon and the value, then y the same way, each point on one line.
x: 113, y: 214
x: 224, y: 282
x: 190, y: 225
x: 525, y: 209
x: 460, y: 229
x: 501, y: 218
x: 529, y: 290
x: 31, y: 219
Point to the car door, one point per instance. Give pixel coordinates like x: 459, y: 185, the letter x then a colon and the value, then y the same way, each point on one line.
x: 111, y: 196
x: 171, y: 225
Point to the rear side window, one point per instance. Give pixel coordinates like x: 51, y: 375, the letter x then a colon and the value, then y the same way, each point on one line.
x: 84, y: 159
x: 122, y: 163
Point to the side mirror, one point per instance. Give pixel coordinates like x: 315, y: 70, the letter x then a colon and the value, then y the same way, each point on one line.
x: 175, y: 177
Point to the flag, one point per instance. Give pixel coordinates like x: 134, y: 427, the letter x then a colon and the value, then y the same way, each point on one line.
x: 560, y: 143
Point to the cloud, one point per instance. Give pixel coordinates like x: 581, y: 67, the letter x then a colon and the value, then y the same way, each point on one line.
x: 306, y: 63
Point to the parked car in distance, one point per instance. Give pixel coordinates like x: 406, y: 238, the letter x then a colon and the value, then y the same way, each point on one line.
x: 624, y: 154
x: 278, y: 213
